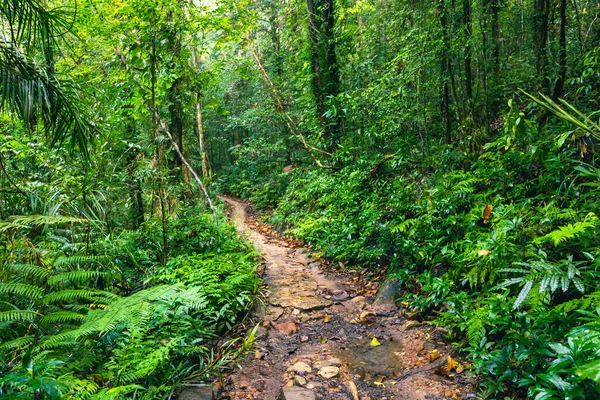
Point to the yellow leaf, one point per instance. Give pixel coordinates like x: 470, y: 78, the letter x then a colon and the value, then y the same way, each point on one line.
x: 326, y: 318
x: 451, y: 364
x: 434, y: 355
x: 375, y: 342
x: 483, y: 252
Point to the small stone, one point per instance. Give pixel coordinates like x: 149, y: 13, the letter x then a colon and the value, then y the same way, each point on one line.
x: 300, y: 367
x: 297, y: 393
x: 304, y: 339
x: 329, y: 372
x: 335, y: 361
x: 199, y: 393
x: 357, y: 299
x: 299, y: 380
x: 322, y: 364
x: 287, y: 328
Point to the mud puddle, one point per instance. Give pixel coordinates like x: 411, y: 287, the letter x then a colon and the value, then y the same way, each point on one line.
x: 372, y: 361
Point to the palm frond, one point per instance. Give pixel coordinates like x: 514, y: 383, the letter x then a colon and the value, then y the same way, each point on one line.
x: 29, y: 91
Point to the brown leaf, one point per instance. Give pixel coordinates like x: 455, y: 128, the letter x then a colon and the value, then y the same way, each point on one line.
x: 487, y: 213
x: 353, y: 389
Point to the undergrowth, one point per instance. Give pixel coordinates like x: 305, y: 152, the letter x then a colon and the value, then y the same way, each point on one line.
x: 501, y: 246
x: 104, y: 318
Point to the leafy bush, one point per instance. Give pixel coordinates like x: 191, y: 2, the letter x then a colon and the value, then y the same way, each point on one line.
x: 109, y: 320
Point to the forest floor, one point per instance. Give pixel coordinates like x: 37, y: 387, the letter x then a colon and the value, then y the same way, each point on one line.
x: 325, y: 334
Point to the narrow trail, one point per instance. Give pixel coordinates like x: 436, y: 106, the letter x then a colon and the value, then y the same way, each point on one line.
x: 316, y: 336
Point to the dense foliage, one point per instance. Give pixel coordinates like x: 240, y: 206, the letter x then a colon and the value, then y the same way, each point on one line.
x: 451, y: 145
x: 116, y: 279
x: 399, y: 137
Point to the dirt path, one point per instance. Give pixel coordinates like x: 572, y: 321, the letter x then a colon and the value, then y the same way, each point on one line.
x: 320, y: 338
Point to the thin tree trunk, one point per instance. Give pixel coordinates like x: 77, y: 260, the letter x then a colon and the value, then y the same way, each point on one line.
x: 444, y: 69
x: 158, y: 155
x: 206, y: 172
x: 176, y: 116
x: 541, y: 10
x: 468, y: 32
x: 187, y: 165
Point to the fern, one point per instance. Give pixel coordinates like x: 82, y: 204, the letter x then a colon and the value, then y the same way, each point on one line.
x: 18, y: 343
x: 76, y: 277
x: 570, y: 231
x: 22, y: 289
x: 118, y: 392
x: 61, y: 317
x: 17, y: 315
x: 79, y: 260
x: 25, y: 221
x: 588, y: 302
x: 28, y: 269
x: 77, y: 294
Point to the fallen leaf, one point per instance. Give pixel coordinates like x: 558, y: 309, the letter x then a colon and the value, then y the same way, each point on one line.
x: 483, y: 252
x: 258, y: 355
x: 326, y: 318
x: 353, y: 389
x: 451, y: 364
x: 434, y: 355
x: 375, y: 342
x: 322, y: 340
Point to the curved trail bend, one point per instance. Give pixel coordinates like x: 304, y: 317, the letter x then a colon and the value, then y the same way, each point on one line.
x: 316, y: 337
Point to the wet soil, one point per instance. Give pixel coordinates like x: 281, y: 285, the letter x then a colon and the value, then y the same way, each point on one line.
x: 320, y: 331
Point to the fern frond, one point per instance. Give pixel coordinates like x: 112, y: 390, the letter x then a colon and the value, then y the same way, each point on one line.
x: 25, y: 221
x: 117, y: 392
x: 76, y: 277
x: 17, y: 315
x: 77, y: 294
x: 65, y: 339
x: 570, y: 231
x: 79, y: 260
x: 27, y: 269
x: 22, y: 289
x: 61, y: 317
x: 18, y: 343
x: 47, y: 220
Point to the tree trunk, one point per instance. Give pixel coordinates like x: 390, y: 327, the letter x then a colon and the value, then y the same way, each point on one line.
x: 492, y: 49
x: 176, y: 116
x: 541, y: 10
x: 562, y: 62
x: 206, y: 172
x: 333, y: 87
x: 468, y: 32
x: 317, y: 81
x: 444, y: 71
